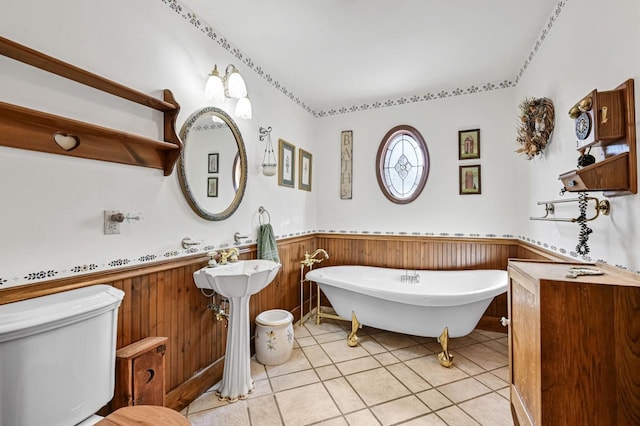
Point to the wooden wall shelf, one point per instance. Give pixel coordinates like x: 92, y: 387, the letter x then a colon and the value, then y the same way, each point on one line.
x: 612, y: 117
x: 34, y: 130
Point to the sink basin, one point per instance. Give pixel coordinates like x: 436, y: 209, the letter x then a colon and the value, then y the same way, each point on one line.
x: 238, y: 279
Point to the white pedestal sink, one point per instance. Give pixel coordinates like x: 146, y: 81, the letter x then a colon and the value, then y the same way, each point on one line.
x: 237, y: 281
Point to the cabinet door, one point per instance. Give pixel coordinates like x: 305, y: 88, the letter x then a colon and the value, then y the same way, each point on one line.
x: 524, y: 337
x: 148, y: 388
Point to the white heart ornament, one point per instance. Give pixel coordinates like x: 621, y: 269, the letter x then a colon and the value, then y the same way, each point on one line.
x: 66, y: 142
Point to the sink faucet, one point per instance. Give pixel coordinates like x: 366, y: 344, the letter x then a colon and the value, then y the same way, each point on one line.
x: 231, y: 255
x: 310, y: 259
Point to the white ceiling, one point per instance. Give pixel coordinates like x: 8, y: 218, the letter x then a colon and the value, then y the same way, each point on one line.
x: 339, y: 53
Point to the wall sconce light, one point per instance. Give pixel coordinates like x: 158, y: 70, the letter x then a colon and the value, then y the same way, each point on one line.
x: 269, y: 165
x: 231, y: 85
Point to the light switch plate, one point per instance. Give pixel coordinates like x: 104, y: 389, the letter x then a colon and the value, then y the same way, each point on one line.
x: 110, y: 227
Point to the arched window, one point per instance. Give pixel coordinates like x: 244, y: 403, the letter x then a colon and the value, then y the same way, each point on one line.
x: 402, y: 164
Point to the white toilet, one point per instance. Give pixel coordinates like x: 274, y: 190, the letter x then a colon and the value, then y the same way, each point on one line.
x: 57, y: 357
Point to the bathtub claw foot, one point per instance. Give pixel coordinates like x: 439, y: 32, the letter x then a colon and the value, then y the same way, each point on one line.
x: 445, y: 358
x: 352, y: 340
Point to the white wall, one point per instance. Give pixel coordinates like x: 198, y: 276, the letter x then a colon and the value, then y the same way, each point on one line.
x: 593, y: 45
x: 52, y: 205
x: 440, y: 208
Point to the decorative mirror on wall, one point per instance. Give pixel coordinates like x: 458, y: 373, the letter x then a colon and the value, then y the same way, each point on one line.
x: 213, y: 164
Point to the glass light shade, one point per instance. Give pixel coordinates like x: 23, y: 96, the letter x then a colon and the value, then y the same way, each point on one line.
x: 269, y: 169
x: 236, y: 88
x: 243, y: 108
x: 214, y: 89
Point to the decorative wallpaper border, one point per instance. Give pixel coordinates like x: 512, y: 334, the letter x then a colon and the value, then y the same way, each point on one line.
x: 45, y: 273
x: 201, y: 25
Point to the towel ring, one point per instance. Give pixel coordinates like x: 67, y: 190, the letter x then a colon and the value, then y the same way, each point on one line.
x: 261, y: 212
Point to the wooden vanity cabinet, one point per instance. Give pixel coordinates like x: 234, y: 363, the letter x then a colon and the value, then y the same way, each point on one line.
x: 574, y: 345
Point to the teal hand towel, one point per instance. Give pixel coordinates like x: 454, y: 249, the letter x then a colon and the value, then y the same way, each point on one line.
x: 267, y: 248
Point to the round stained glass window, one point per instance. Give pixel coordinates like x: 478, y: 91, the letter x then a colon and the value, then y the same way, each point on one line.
x: 402, y: 164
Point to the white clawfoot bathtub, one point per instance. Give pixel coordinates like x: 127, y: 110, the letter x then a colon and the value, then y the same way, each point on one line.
x: 378, y: 297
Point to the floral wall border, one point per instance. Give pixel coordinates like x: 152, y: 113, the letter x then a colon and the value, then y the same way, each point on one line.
x: 211, y: 33
x: 45, y: 273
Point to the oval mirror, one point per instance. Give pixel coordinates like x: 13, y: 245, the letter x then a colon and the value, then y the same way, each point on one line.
x: 213, y: 164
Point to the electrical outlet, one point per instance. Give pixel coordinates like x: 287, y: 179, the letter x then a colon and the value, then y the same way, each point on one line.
x: 111, y: 227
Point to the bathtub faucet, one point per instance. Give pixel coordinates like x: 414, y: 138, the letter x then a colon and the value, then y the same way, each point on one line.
x: 310, y: 259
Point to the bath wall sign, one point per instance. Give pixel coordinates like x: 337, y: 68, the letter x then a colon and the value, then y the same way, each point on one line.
x: 346, y: 166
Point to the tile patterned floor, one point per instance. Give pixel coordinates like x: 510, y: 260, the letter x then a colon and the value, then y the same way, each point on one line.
x: 389, y: 379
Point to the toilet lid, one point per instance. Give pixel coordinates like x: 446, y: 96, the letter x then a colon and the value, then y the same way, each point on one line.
x: 144, y: 415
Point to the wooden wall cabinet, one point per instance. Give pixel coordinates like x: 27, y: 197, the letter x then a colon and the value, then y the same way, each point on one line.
x: 609, y: 117
x: 574, y: 345
x: 140, y: 373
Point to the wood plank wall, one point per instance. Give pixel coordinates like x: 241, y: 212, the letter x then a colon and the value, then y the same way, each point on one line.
x: 162, y: 300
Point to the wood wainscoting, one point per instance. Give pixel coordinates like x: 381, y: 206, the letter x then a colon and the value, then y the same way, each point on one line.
x: 161, y: 298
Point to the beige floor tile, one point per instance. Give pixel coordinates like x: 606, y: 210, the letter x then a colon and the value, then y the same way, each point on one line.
x: 358, y: 365
x: 261, y: 388
x: 458, y: 342
x: 339, y: 351
x: 463, y: 390
x: 477, y: 336
x: 411, y: 352
x: 428, y: 420
x: 492, y: 381
x: 408, y: 377
x: 393, y: 341
x: 305, y: 405
x: 502, y: 373
x: 497, y: 346
x: 258, y: 371
x: 332, y: 337
x: 297, y: 362
x: 429, y: 368
x: 326, y: 326
x: 327, y: 372
x: 454, y: 416
x: 376, y: 386
x: 433, y: 346
x: 434, y: 399
x: 371, y: 345
x: 316, y: 356
x: 386, y: 358
x: 492, y: 334
x: 505, y: 393
x: 264, y: 411
x: 466, y: 364
x: 344, y: 396
x: 337, y: 421
x: 489, y: 410
x: 294, y: 380
x: 306, y: 341
x: 362, y: 418
x: 235, y: 414
x: 399, y: 410
x: 206, y: 401
x: 299, y: 331
x: 484, y: 356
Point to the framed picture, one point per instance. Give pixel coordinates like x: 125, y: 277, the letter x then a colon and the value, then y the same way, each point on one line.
x: 346, y: 167
x: 213, y: 162
x: 286, y: 163
x: 468, y: 144
x: 305, y: 164
x: 212, y: 187
x: 470, y: 180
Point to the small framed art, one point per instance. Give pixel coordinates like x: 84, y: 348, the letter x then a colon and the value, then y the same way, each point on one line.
x: 470, y: 180
x: 468, y: 144
x: 305, y: 164
x: 212, y: 187
x: 213, y: 162
x: 286, y: 164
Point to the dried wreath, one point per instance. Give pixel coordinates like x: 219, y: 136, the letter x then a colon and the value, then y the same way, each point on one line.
x: 536, y: 125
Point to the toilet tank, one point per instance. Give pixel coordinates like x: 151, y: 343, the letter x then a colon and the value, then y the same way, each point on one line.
x: 57, y: 356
